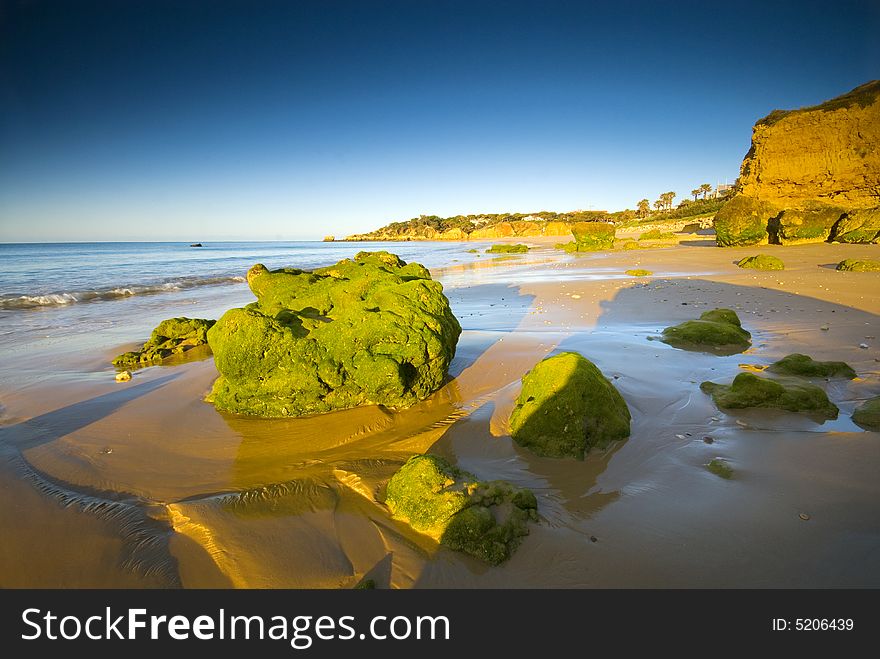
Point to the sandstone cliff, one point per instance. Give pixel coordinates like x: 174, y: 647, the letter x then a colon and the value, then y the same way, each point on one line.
x: 808, y: 170
x: 514, y: 229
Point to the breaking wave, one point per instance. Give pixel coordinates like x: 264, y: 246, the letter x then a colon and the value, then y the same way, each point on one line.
x: 8, y: 301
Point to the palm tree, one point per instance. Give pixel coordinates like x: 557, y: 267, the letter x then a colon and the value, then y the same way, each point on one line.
x: 659, y: 204
x: 705, y: 189
x: 667, y: 198
x: 644, y: 207
x: 695, y: 192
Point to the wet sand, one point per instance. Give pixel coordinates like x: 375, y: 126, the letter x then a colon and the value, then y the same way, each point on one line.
x: 143, y: 484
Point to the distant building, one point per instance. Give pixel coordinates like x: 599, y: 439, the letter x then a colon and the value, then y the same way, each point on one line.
x: 723, y: 189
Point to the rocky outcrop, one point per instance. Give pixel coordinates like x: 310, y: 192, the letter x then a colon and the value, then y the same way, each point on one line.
x: 810, y: 175
x: 174, y: 336
x: 718, y: 331
x: 748, y: 390
x: 372, y: 330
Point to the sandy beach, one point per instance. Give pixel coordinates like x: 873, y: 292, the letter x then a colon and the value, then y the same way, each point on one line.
x: 106, y: 484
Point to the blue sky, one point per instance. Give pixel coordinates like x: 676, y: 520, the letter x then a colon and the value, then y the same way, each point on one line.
x: 212, y: 120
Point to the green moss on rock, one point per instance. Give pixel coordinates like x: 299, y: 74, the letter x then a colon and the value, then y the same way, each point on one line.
x: 743, y: 221
x: 749, y: 390
x: 171, y: 337
x: 858, y: 226
x: 761, y: 262
x: 802, y: 365
x: 486, y: 519
x: 566, y: 407
x: 811, y: 225
x: 592, y: 236
x: 638, y: 272
x: 656, y: 234
x: 720, y: 468
x: 859, y: 265
x: 372, y: 330
x: 506, y: 248
x: 867, y: 415
x: 718, y: 331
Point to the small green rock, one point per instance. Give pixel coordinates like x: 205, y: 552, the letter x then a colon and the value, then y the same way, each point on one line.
x: 506, y: 248
x: 486, y: 519
x: 761, y: 262
x: 656, y: 234
x: 857, y: 265
x: 592, y: 236
x: 720, y: 468
x: 748, y: 390
x: 638, y: 272
x: 566, y: 407
x: 717, y: 331
x: 473, y: 251
x: 867, y: 415
x: 171, y: 337
x: 797, y: 364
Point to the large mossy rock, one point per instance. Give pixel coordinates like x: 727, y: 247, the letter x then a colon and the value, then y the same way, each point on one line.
x: 718, y: 331
x: 566, y: 407
x: 592, y: 236
x: 742, y: 221
x: 805, y: 366
x: 858, y: 226
x: 748, y: 390
x: 867, y: 415
x: 761, y: 262
x: 810, y: 225
x: 171, y: 337
x: 372, y: 330
x: 486, y: 519
x: 858, y: 265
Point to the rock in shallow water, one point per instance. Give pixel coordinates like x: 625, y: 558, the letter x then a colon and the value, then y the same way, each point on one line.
x: 486, y: 519
x: 748, y: 390
x: 171, y: 337
x: 867, y: 415
x: 717, y: 331
x: 368, y: 331
x: 797, y: 364
x: 567, y: 407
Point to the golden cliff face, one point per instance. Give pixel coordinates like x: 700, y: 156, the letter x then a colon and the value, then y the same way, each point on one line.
x: 829, y: 153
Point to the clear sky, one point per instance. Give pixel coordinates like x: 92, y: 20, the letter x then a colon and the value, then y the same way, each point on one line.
x: 131, y: 120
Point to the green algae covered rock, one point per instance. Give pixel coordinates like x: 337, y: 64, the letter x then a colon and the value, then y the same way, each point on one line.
x: 717, y: 331
x: 656, y: 234
x: 506, y: 248
x: 761, y: 262
x: 805, y: 225
x: 486, y: 519
x: 743, y: 221
x: 720, y: 468
x: 858, y: 226
x: 856, y: 265
x: 748, y: 390
x: 592, y: 236
x: 639, y: 272
x: 171, y: 337
x: 566, y: 407
x: 372, y: 330
x: 867, y: 415
x: 797, y: 364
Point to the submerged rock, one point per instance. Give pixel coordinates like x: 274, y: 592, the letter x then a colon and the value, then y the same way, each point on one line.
x: 867, y: 415
x: 720, y: 468
x: 171, y: 337
x: 506, y: 248
x: 718, y: 331
x: 486, y: 519
x: 369, y: 331
x: 761, y: 262
x: 566, y: 407
x: 857, y: 265
x: 748, y: 390
x: 797, y: 364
